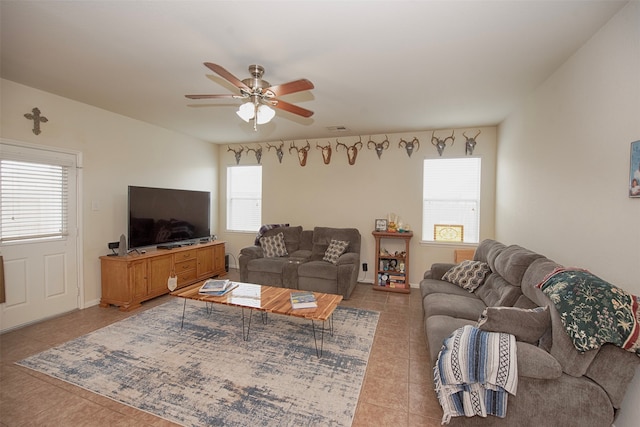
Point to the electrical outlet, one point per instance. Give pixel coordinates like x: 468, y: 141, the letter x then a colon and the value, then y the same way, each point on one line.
x: 365, y: 267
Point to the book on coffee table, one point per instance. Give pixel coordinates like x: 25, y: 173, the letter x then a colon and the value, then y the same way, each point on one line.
x: 214, y: 285
x: 217, y: 288
x: 303, y: 299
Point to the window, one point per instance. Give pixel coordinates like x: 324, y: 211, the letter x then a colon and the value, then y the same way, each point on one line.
x: 244, y: 198
x: 34, y: 200
x: 450, y: 199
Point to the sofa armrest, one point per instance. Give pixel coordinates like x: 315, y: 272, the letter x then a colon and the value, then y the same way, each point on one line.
x: 349, y: 258
x: 252, y: 252
x: 437, y: 270
x: 534, y: 362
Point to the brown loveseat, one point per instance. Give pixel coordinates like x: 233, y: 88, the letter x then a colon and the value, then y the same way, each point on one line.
x: 303, y: 266
x: 557, y: 385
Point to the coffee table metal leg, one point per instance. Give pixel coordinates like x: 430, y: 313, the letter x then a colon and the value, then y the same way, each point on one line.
x: 315, y: 339
x: 183, y: 309
x: 246, y: 337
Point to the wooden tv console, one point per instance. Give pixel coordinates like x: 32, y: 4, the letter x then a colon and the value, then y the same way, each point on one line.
x: 129, y: 280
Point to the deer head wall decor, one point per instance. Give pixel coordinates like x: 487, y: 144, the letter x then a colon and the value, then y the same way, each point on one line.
x: 257, y: 151
x: 279, y: 152
x: 326, y: 152
x: 302, y: 152
x: 379, y: 146
x: 237, y: 153
x: 441, y: 144
x: 410, y: 145
x: 352, y: 152
x: 470, y: 144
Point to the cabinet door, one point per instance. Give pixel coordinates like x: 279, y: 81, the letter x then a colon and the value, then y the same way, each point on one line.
x: 218, y: 256
x: 159, y: 271
x: 138, y: 279
x: 205, y: 265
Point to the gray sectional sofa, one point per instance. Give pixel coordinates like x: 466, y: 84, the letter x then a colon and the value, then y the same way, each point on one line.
x: 557, y: 385
x: 303, y: 266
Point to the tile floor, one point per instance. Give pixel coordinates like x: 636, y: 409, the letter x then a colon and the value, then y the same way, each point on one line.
x: 397, y: 389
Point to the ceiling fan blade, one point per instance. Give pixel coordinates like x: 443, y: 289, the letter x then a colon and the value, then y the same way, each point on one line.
x: 282, y: 105
x: 227, y: 76
x: 287, y: 88
x: 212, y: 96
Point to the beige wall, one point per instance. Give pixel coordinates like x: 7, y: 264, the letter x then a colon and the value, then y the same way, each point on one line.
x: 343, y: 195
x: 563, y: 165
x: 117, y: 151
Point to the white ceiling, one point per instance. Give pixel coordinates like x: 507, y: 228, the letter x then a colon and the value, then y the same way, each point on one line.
x: 377, y: 66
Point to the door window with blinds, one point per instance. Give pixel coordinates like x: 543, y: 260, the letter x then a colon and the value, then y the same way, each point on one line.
x: 451, y: 200
x: 244, y: 198
x: 34, y: 199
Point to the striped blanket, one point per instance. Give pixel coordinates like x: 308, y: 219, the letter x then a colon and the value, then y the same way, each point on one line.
x: 475, y: 372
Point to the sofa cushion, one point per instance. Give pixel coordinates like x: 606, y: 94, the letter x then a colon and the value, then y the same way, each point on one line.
x: 438, y: 328
x: 267, y: 265
x: 468, y: 274
x: 322, y: 237
x: 335, y: 249
x: 273, y: 246
x: 464, y: 307
x: 528, y: 325
x: 512, y: 262
x: 487, y: 251
x: 613, y: 368
x: 432, y: 286
x: 497, y: 291
x: 318, y: 269
x: 534, y: 362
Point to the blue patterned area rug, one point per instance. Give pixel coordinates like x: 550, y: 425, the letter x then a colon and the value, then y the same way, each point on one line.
x: 205, y: 374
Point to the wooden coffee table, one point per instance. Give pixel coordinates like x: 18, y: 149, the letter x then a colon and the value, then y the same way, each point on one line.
x: 267, y: 299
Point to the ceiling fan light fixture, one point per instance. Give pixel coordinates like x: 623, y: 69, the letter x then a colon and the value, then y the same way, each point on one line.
x: 246, y: 111
x: 265, y: 114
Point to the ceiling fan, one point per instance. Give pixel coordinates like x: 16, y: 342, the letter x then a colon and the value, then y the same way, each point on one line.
x: 260, y: 95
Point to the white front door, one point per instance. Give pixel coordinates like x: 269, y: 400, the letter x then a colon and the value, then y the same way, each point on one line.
x: 41, y: 268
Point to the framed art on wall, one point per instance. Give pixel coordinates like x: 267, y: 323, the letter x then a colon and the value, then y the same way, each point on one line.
x: 634, y: 170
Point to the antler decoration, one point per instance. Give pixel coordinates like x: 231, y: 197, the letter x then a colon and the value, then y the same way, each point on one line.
x: 470, y: 144
x: 441, y: 144
x: 326, y: 152
x: 302, y: 152
x: 379, y: 146
x: 409, y: 146
x: 237, y: 153
x: 257, y: 151
x: 279, y: 152
x: 352, y: 152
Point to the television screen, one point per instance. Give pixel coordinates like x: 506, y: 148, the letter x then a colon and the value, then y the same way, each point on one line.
x: 161, y: 215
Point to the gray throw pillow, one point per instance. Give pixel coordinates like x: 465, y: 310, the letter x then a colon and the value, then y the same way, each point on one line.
x: 468, y: 274
x: 273, y: 246
x: 335, y: 249
x: 528, y: 325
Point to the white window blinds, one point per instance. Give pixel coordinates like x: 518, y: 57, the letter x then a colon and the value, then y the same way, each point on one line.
x: 244, y: 198
x: 451, y: 196
x: 34, y: 200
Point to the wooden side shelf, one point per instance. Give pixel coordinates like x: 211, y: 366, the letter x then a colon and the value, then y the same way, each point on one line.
x: 129, y: 280
x: 392, y: 270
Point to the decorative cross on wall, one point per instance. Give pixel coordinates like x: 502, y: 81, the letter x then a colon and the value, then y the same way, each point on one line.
x: 37, y: 119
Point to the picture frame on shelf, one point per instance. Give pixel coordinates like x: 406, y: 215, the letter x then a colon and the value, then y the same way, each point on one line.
x: 381, y: 225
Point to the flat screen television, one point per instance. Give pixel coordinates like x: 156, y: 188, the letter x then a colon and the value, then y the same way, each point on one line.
x: 166, y: 216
